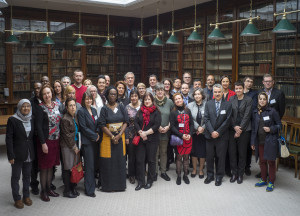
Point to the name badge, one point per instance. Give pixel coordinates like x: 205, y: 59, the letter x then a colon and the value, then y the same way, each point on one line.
x: 116, y: 110
x: 223, y: 112
x: 95, y: 117
x: 272, y: 101
x: 266, y: 118
x: 202, y: 112
x: 181, y: 125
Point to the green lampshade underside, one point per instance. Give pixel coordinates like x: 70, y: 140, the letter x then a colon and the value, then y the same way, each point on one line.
x: 79, y: 42
x: 108, y: 43
x: 284, y: 26
x: 12, y: 39
x: 141, y: 43
x: 194, y: 36
x: 216, y: 34
x: 172, y: 40
x: 47, y: 40
x: 250, y: 30
x: 157, y: 42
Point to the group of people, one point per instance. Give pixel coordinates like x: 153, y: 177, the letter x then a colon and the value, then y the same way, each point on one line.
x: 100, y: 125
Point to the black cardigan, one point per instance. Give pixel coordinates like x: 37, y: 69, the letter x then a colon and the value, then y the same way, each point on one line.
x: 175, y: 125
x: 17, y: 142
x: 154, y: 123
x: 42, y: 124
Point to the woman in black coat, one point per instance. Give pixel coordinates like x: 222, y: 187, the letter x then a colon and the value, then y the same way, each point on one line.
x: 88, y: 122
x: 147, y: 122
x: 265, y: 127
x: 20, y: 150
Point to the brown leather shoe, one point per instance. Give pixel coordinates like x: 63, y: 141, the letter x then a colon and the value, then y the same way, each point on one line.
x: 52, y: 193
x: 27, y: 201
x: 19, y: 204
x: 44, y: 197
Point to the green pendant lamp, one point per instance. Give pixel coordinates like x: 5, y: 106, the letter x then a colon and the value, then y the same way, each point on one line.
x: 250, y: 30
x: 284, y: 26
x: 194, y: 36
x: 216, y: 34
x: 12, y: 39
x: 141, y: 43
x: 172, y: 39
x: 157, y: 41
x: 79, y: 42
x: 47, y: 40
x: 108, y: 43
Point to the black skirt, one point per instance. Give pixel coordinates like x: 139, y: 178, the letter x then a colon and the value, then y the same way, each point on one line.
x: 199, y: 146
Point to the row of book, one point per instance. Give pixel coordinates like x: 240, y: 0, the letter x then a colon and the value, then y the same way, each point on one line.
x: 170, y: 55
x: 21, y: 86
x: 193, y: 56
x: 21, y: 68
x: 287, y: 45
x: 287, y: 72
x: 259, y: 57
x: 65, y: 54
x: 287, y: 60
x: 38, y: 76
x: 251, y: 47
x: 290, y: 90
x: 170, y: 66
x: 99, y: 69
x: 192, y: 65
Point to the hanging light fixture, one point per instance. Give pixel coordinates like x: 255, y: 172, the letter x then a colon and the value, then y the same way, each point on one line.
x: 79, y: 42
x: 216, y: 34
x: 108, y: 43
x: 141, y: 43
x: 194, y: 36
x: 284, y: 26
x: 250, y: 29
x: 47, y: 39
x: 157, y: 41
x: 172, y: 39
x: 3, y: 4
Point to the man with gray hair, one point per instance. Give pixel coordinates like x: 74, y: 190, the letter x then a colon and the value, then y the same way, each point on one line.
x: 129, y: 78
x: 66, y: 81
x: 217, y: 116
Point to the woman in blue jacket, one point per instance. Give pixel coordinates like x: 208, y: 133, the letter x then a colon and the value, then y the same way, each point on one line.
x: 265, y: 126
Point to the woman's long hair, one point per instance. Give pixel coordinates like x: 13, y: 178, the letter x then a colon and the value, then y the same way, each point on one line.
x: 260, y: 108
x: 175, y: 107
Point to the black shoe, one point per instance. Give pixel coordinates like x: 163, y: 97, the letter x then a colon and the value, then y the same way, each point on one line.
x: 165, y: 176
x: 35, y: 190
x: 233, y: 178
x: 139, y: 187
x: 208, y: 180
x: 240, y: 180
x: 201, y: 176
x: 155, y: 177
x: 148, y: 185
x: 178, y: 180
x: 247, y: 172
x: 186, y: 179
x: 193, y: 175
x: 93, y: 195
x: 52, y: 187
x: 75, y: 192
x: 218, y: 181
x: 258, y: 175
x: 69, y: 194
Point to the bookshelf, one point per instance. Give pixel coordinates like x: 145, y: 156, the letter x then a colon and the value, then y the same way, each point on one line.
x: 99, y: 60
x: 219, y: 53
x: 65, y: 58
x: 287, y: 65
x: 2, y: 63
x: 255, y: 53
x: 192, y: 52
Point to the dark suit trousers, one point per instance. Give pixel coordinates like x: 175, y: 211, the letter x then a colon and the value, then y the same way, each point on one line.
x: 146, y: 151
x: 34, y: 183
x: 131, y: 158
x: 249, y: 155
x: 17, y: 168
x: 89, y: 175
x: 238, y: 152
x: 216, y: 147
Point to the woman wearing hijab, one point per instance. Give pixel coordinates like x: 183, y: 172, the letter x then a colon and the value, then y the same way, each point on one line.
x: 20, y: 150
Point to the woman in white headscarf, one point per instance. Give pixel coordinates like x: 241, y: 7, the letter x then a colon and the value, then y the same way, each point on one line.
x: 20, y: 150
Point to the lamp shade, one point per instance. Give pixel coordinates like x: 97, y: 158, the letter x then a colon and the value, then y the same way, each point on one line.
x: 284, y: 26
x: 79, y: 42
x: 250, y: 30
x: 3, y: 4
x: 194, y: 36
x: 157, y: 42
x: 141, y: 43
x: 172, y: 39
x: 47, y: 40
x: 108, y: 43
x: 216, y: 34
x: 12, y: 39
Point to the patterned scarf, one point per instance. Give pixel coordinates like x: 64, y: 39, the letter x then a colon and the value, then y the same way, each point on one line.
x: 160, y: 102
x: 146, y: 113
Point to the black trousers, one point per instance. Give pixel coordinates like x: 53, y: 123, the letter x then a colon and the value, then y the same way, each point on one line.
x: 17, y: 168
x: 146, y: 151
x: 131, y: 159
x: 89, y: 175
x: 249, y: 154
x: 238, y: 152
x: 34, y: 183
x: 216, y: 147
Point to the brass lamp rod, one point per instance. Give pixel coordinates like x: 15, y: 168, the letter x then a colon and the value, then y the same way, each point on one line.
x: 235, y: 21
x: 35, y: 32
x: 183, y: 29
x: 95, y: 36
x: 284, y: 13
x: 149, y: 35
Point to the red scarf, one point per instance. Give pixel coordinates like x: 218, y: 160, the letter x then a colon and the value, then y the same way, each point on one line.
x: 146, y: 113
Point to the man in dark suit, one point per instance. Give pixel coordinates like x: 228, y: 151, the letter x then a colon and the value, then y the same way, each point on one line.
x: 185, y: 89
x: 276, y: 97
x: 217, y: 117
x: 208, y: 90
x: 129, y: 80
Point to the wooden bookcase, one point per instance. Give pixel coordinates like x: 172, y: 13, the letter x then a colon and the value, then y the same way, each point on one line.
x: 3, y: 110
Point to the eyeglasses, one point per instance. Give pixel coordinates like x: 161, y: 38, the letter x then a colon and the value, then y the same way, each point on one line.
x: 268, y: 81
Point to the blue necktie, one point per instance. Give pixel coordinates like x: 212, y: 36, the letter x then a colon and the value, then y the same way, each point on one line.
x: 217, y: 107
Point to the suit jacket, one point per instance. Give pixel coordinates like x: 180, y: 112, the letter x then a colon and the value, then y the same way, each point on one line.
x: 253, y: 94
x: 67, y: 132
x: 194, y: 110
x: 245, y: 110
x: 277, y: 101
x: 208, y: 93
x: 17, y: 142
x: 42, y: 124
x: 87, y: 126
x: 218, y: 123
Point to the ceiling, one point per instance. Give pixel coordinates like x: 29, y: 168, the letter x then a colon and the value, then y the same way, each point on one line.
x: 92, y: 6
